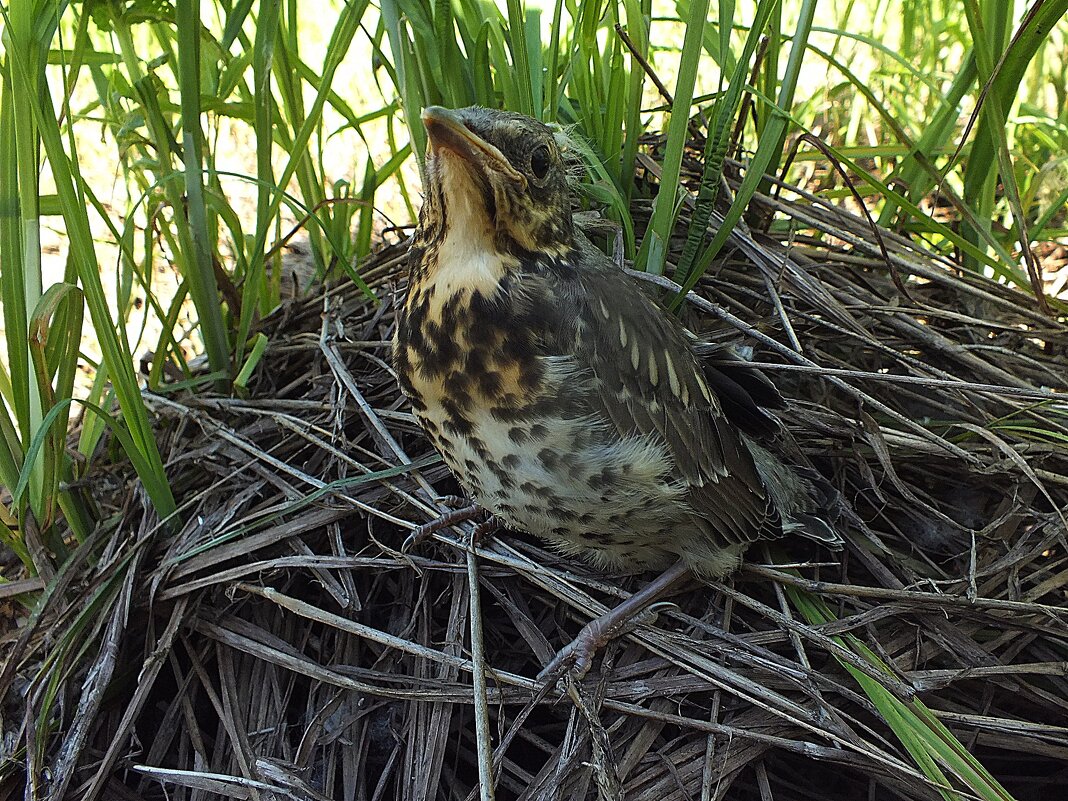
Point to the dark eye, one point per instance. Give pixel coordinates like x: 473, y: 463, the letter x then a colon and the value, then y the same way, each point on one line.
x: 540, y: 161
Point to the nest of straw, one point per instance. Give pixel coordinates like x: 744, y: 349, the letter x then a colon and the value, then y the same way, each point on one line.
x: 279, y: 643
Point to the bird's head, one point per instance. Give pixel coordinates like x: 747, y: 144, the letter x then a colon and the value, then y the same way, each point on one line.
x: 496, y: 175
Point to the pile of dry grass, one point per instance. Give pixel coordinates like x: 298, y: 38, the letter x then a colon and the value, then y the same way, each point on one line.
x: 279, y: 644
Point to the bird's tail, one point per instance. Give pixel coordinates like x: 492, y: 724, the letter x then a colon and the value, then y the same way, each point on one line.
x: 806, y: 502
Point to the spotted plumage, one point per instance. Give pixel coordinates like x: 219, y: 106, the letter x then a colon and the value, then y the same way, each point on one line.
x: 567, y: 402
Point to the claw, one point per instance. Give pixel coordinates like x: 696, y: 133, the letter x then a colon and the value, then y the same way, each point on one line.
x: 484, y: 529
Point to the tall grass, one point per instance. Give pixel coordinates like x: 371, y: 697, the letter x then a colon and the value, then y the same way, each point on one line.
x: 39, y: 397
x: 582, y: 74
x: 159, y: 84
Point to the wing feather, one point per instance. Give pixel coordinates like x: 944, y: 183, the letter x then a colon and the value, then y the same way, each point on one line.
x: 648, y: 381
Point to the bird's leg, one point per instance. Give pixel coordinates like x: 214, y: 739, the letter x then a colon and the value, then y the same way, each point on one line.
x: 577, y: 657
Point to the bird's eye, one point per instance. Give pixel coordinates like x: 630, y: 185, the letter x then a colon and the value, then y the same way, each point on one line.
x: 540, y: 161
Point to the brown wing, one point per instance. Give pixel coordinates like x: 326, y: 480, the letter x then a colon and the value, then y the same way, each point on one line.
x: 648, y: 381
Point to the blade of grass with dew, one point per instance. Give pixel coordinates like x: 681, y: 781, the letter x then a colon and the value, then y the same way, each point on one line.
x: 365, y: 222
x: 652, y: 254
x: 579, y: 99
x: 459, y: 40
x: 717, y: 39
x: 402, y: 184
x: 479, y: 60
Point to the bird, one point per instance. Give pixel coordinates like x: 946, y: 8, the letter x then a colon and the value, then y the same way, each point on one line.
x: 566, y: 400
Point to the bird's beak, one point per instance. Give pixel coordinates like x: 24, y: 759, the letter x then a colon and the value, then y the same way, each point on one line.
x: 447, y: 131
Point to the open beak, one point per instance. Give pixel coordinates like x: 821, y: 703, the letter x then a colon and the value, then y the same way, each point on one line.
x: 447, y: 131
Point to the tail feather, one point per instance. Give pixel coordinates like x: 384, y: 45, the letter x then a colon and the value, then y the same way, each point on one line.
x: 805, y: 501
x: 817, y: 529
x: 744, y: 392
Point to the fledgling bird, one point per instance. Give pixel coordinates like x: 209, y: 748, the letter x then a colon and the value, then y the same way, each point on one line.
x: 567, y: 402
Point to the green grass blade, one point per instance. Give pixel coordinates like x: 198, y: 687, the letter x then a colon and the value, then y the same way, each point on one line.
x: 525, y: 100
x: 267, y: 34
x: 1002, y: 82
x: 934, y: 748
x: 769, y: 149
x: 718, y: 140
x: 83, y: 254
x: 199, y: 264
x: 653, y: 251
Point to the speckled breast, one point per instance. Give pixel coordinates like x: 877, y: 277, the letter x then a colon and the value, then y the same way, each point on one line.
x: 515, y: 425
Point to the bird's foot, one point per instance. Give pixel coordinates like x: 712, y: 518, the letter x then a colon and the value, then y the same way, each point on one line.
x: 484, y: 529
x: 453, y: 501
x: 575, y: 659
x: 460, y: 514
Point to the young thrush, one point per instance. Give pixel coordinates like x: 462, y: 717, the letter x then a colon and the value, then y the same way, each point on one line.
x: 567, y: 402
